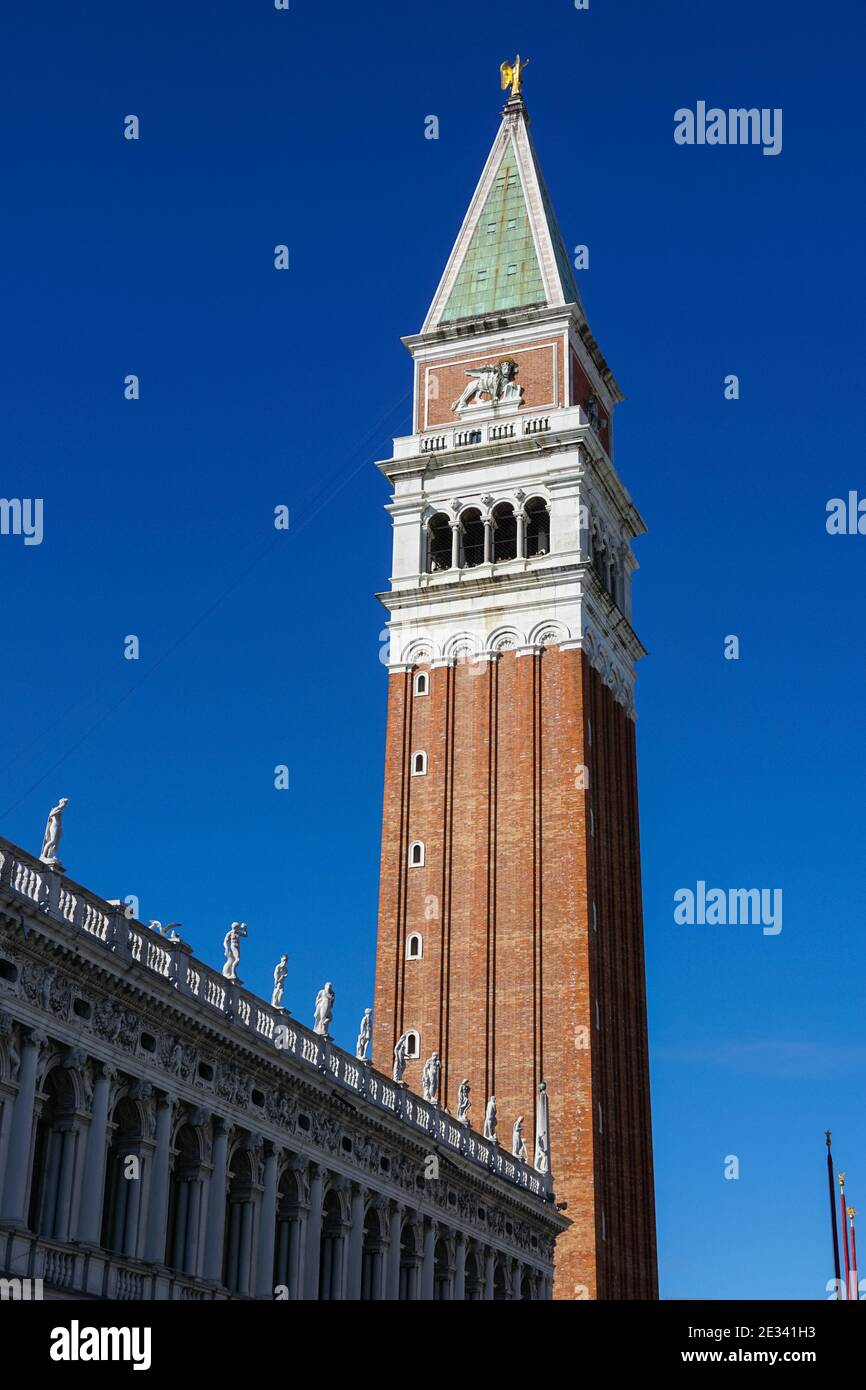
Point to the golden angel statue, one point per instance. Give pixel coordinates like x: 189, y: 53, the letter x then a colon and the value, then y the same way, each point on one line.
x: 512, y: 75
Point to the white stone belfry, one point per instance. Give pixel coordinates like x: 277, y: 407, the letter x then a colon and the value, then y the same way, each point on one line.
x: 511, y: 528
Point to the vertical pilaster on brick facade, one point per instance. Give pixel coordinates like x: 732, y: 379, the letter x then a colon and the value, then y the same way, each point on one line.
x: 511, y: 596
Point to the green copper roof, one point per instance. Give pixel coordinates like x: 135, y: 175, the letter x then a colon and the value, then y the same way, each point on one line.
x: 500, y: 269
x: 563, y: 264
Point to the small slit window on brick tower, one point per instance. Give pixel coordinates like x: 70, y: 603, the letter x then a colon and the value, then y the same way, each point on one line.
x: 505, y: 532
x: 413, y: 1043
x: 422, y: 683
x: 414, y: 946
x: 419, y: 764
x: 416, y: 854
x: 537, y: 527
x: 438, y: 543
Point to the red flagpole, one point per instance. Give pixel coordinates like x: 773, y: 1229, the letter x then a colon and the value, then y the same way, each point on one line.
x: 833, y: 1227
x: 845, y: 1235
x: 855, y: 1287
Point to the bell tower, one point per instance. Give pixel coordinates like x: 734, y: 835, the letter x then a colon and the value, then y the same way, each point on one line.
x: 510, y: 922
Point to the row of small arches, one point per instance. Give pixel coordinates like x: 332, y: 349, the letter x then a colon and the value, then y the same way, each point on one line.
x: 469, y: 646
x: 473, y: 538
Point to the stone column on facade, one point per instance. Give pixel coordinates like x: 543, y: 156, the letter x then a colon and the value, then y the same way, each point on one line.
x: 131, y: 1241
x: 93, y: 1192
x: 517, y: 1280
x: 140, y: 1189
x: 297, y: 1230
x: 460, y: 1268
x: 392, y: 1276
x: 455, y: 545
x: 178, y: 1254
x: 373, y: 1249
x: 216, y: 1202
x: 47, y: 1210
x: 312, y: 1248
x: 428, y: 1262
x: 521, y: 533
x: 67, y: 1150
x: 7, y: 1106
x: 282, y: 1251
x: 194, y: 1223
x: 268, y: 1224
x: 338, y: 1269
x: 298, y: 1254
x: 246, y: 1273
x: 157, y: 1207
x: 489, y: 1261
x: 18, y: 1159
x: 356, y: 1244
x: 488, y: 540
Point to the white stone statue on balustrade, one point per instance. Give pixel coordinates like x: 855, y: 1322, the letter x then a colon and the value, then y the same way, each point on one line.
x: 400, y: 1055
x: 542, y: 1131
x: 518, y: 1143
x: 430, y: 1078
x: 490, y: 1120
x: 463, y: 1102
x: 364, y: 1035
x: 281, y: 970
x: 324, y: 1009
x: 53, y: 832
x: 232, y: 948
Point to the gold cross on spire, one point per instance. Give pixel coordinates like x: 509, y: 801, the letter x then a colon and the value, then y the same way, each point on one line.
x: 512, y: 75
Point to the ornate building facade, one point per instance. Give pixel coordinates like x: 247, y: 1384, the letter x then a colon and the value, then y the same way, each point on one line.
x: 166, y: 1134
x: 510, y: 924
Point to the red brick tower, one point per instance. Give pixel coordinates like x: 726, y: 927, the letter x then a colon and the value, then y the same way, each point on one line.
x: 510, y: 927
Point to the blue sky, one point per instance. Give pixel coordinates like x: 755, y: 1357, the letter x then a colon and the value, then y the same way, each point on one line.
x: 259, y: 388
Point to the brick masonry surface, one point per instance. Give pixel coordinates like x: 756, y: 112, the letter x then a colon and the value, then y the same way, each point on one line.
x: 540, y: 374
x: 529, y: 906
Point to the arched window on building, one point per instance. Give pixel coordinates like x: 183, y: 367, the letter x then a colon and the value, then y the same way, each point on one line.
x: 121, y: 1209
x: 373, y: 1258
x: 504, y: 532
x: 54, y: 1158
x: 419, y: 764
x: 331, y: 1249
x: 416, y: 854
x: 442, y: 1272
x: 410, y: 1262
x: 238, y: 1245
x: 537, y: 527
x: 438, y: 543
x: 288, y: 1254
x: 414, y: 946
x: 413, y: 1043
x: 473, y: 1284
x: 473, y: 538
x: 184, y: 1230
x: 421, y: 684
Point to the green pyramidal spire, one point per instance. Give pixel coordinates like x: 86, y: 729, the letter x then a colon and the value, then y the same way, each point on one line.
x: 510, y: 253
x: 500, y: 269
